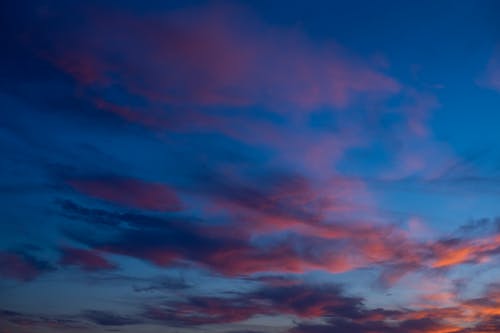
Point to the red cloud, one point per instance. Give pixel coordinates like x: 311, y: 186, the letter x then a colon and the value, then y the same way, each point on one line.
x: 89, y: 260
x: 173, y: 68
x: 20, y: 266
x: 339, y: 312
x: 300, y: 246
x: 299, y: 300
x: 15, y: 266
x: 465, y: 251
x: 133, y: 193
x: 215, y: 56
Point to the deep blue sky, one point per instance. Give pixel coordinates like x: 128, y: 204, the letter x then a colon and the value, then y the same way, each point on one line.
x: 250, y: 167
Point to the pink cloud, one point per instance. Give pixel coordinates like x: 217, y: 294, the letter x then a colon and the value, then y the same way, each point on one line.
x: 14, y: 266
x: 21, y: 266
x: 217, y: 56
x: 129, y: 192
x: 89, y: 260
x: 182, y: 64
x: 478, y: 250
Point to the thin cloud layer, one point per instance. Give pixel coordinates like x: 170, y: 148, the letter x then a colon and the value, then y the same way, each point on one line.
x: 88, y: 260
x: 213, y: 56
x: 22, y: 266
x: 491, y: 76
x: 248, y: 168
x: 129, y: 193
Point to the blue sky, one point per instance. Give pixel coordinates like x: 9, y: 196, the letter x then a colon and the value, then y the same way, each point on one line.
x: 249, y: 166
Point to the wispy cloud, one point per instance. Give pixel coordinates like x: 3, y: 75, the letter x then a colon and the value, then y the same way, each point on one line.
x: 220, y: 167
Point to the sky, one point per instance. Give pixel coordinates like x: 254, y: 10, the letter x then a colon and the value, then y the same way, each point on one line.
x: 250, y: 166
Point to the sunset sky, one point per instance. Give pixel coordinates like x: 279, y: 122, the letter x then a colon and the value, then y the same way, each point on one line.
x: 250, y: 166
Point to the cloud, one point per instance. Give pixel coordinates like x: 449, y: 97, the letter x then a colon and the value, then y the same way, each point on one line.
x: 491, y: 76
x: 211, y: 56
x: 106, y: 318
x: 131, y: 193
x: 304, y: 301
x: 88, y: 260
x: 22, y: 266
x: 219, y: 69
x: 299, y: 299
x: 473, y: 315
x: 245, y: 139
x: 165, y: 241
x: 274, y: 201
x: 78, y: 322
x: 163, y: 284
x: 410, y: 326
x: 225, y: 71
x: 34, y: 321
x: 297, y: 244
x: 337, y: 311
x: 450, y: 252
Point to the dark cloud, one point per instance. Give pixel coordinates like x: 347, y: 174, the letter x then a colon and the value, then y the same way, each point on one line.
x: 35, y: 322
x: 163, y: 284
x: 106, y: 318
x: 173, y: 240
x: 165, y: 241
x: 481, y: 227
x: 349, y: 326
x: 22, y: 266
x: 130, y: 193
x: 200, y: 137
x: 87, y: 260
x: 300, y: 300
x: 340, y: 313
